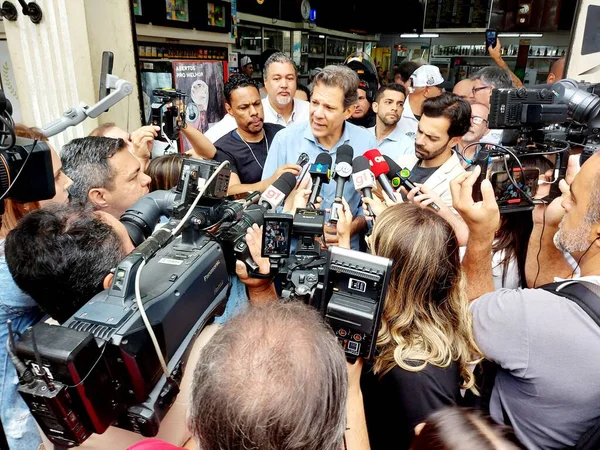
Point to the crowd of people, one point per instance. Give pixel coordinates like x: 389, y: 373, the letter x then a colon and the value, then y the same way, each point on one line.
x: 481, y: 345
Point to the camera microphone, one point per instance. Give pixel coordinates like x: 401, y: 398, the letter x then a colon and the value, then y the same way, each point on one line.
x: 363, y: 179
x: 320, y: 173
x: 276, y: 193
x: 380, y: 169
x: 341, y: 174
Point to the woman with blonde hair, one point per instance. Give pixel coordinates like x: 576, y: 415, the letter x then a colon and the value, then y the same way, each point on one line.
x: 15, y: 305
x: 425, y: 345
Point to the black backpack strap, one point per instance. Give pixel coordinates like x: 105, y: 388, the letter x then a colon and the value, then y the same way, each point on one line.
x: 590, y: 303
x: 578, y: 293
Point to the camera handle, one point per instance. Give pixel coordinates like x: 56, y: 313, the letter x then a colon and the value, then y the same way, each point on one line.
x: 76, y: 115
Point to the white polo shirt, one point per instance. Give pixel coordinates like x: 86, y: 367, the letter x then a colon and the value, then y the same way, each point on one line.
x: 227, y: 123
x: 408, y: 122
x: 395, y: 144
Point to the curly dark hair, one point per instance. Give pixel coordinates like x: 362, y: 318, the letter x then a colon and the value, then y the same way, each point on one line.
x: 237, y: 81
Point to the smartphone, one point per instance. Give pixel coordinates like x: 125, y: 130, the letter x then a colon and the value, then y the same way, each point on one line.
x: 505, y: 191
x: 277, y: 235
x: 491, y: 37
x: 106, y: 68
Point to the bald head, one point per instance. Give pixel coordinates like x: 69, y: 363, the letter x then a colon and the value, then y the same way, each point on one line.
x: 278, y: 365
x: 463, y: 89
x: 557, y: 71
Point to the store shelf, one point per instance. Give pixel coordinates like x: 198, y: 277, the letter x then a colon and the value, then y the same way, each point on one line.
x: 339, y: 58
x: 316, y: 55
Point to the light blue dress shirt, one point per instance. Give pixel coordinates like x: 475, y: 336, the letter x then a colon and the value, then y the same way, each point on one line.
x: 298, y: 138
x: 395, y: 144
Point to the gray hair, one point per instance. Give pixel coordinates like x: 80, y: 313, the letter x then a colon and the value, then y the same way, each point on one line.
x: 342, y: 77
x: 85, y: 161
x: 278, y: 57
x: 273, y: 378
x: 494, y: 76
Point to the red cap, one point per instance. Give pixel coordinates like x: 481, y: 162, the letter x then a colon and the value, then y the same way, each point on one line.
x: 377, y: 162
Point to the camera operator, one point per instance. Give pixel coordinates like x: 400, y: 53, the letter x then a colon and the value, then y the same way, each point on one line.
x: 332, y: 102
x: 105, y: 174
x: 425, y: 343
x: 275, y: 377
x: 446, y: 119
x: 20, y: 308
x: 547, y: 386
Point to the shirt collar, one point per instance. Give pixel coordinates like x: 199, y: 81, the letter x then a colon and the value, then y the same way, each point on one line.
x: 308, y: 134
x: 394, y: 136
x: 279, y: 116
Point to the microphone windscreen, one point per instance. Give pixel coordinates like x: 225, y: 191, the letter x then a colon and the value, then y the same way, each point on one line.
x: 285, y: 183
x: 377, y: 162
x: 345, y: 154
x: 324, y: 159
x: 360, y: 163
x: 394, y: 168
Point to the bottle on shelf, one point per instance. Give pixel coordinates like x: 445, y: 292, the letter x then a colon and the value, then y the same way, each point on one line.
x: 562, y: 53
x: 530, y: 51
x: 538, y: 52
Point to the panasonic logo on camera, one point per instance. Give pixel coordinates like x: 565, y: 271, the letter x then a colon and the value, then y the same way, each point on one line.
x: 212, y: 270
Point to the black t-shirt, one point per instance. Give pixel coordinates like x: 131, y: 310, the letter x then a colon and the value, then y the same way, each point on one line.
x: 367, y: 121
x: 232, y: 148
x: 420, y: 174
x: 400, y: 400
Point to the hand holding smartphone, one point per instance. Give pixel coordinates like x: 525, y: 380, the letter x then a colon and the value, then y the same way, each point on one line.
x: 491, y: 38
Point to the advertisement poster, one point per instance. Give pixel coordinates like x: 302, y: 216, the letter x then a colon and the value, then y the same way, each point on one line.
x: 178, y: 10
x: 216, y: 15
x: 203, y: 82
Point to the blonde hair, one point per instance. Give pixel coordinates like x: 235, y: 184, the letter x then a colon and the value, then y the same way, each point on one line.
x: 426, y: 315
x: 13, y: 210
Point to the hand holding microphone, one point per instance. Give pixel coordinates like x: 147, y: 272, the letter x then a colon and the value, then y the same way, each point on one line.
x: 342, y: 172
x: 276, y: 193
x: 400, y: 177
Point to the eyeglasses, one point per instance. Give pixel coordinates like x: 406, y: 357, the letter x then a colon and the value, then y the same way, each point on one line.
x: 479, y: 89
x: 478, y: 120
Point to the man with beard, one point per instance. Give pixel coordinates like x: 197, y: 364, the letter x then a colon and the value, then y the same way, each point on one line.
x: 280, y: 106
x: 544, y: 341
x: 445, y: 119
x: 388, y: 106
x: 247, y: 146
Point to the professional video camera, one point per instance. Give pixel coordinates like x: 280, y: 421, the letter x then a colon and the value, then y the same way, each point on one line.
x: 119, y: 359
x: 167, y: 113
x: 25, y: 165
x: 534, y: 112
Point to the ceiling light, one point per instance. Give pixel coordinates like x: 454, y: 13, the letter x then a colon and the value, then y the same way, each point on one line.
x: 508, y: 35
x: 409, y: 35
x: 430, y: 35
x: 530, y: 35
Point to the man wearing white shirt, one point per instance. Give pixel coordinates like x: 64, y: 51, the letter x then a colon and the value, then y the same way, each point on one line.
x: 427, y: 82
x: 280, y: 106
x: 388, y: 107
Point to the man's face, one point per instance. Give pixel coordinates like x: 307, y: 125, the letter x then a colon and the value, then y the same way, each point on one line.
x: 327, y: 112
x: 575, y: 233
x: 389, y: 107
x: 248, y: 69
x: 362, y: 105
x: 464, y: 89
x: 481, y: 92
x: 281, y: 83
x: 130, y: 183
x: 247, y: 109
x: 432, y: 137
x: 478, y: 128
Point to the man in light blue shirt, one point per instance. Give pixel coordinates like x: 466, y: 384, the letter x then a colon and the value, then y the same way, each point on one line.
x: 388, y: 107
x: 332, y: 102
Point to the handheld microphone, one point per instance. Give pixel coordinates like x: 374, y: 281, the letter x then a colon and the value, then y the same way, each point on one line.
x: 399, y: 176
x: 275, y: 194
x: 380, y: 169
x: 342, y: 172
x: 319, y: 172
x: 364, y: 181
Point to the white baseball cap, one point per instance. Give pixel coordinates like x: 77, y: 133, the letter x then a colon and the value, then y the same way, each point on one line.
x: 427, y: 75
x: 245, y: 61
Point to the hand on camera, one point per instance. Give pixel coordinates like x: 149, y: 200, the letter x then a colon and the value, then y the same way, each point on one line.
x: 482, y: 218
x: 254, y: 242
x: 143, y: 141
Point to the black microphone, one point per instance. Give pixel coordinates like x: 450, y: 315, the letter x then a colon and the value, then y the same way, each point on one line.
x: 399, y: 176
x: 275, y: 194
x: 341, y: 173
x: 320, y: 173
x: 363, y: 178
